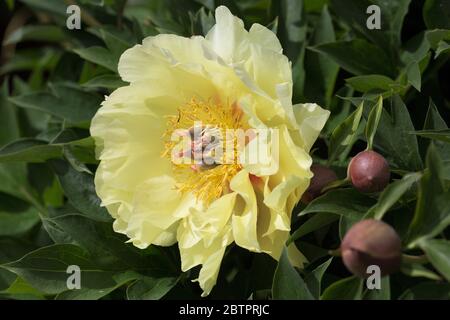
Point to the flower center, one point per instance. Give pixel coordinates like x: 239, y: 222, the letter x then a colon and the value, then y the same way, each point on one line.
x: 203, y: 152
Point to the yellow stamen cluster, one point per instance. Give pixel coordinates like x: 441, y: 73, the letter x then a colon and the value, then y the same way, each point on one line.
x: 210, y: 183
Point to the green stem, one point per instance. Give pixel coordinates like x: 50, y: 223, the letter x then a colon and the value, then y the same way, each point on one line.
x: 120, y: 12
x: 414, y: 259
x: 335, y: 253
x: 336, y: 184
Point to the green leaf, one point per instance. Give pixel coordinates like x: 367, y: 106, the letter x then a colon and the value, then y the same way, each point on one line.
x: 21, y: 290
x: 357, y: 56
x: 432, y: 214
x: 66, y: 102
x: 346, y: 222
x: 17, y: 223
x: 394, y: 138
x: 438, y: 253
x: 108, y: 81
x: 317, y: 221
x: 315, y: 5
x: 46, y: 269
x: 6, y: 279
x: 344, y: 202
x: 345, y: 289
x: 292, y: 27
x: 13, y: 249
x: 74, y: 161
x: 53, y: 6
x: 35, y: 151
x: 413, y: 75
x: 314, y: 279
x: 46, y: 33
x: 12, y: 175
x: 418, y: 270
x: 392, y: 194
x: 340, y: 109
x: 344, y: 135
x: 443, y: 48
x: 440, y: 135
x: 427, y: 291
x: 392, y: 13
x: 94, y: 294
x: 80, y: 189
x: 107, y: 247
x: 99, y: 55
x: 354, y: 12
x: 372, y: 122
x: 434, y: 121
x: 209, y: 4
x: 8, y: 117
x: 320, y: 71
x: 371, y: 82
x: 29, y: 150
x: 434, y: 37
x: 151, y: 288
x: 287, y: 283
x: 292, y: 30
x: 14, y: 179
x: 116, y: 41
x: 436, y: 14
x: 384, y: 293
x: 205, y: 21
x: 415, y: 49
x: 38, y: 59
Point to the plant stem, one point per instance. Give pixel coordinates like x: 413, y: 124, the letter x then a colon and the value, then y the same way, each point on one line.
x: 120, y: 11
x: 335, y: 253
x: 336, y: 184
x: 414, y: 259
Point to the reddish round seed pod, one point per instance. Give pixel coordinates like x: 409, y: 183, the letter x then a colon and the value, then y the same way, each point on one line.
x: 369, y: 172
x: 322, y: 177
x: 371, y: 242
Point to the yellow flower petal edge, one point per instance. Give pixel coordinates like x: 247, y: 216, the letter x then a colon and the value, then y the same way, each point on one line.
x: 156, y: 202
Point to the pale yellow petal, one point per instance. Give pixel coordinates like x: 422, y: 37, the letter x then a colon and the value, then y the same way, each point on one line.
x: 311, y: 119
x: 244, y: 221
x: 227, y: 35
x: 265, y: 38
x: 210, y: 257
x: 205, y: 224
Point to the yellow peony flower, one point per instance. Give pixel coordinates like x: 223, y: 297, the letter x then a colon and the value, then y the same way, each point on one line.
x: 230, y: 79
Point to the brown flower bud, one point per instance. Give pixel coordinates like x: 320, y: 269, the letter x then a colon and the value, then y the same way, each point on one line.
x: 371, y: 242
x: 369, y: 172
x: 322, y: 177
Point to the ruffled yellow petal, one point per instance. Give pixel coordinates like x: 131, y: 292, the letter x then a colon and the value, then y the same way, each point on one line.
x: 248, y: 54
x: 203, y: 237
x: 210, y: 257
x: 311, y: 119
x: 205, y: 224
x: 244, y: 222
